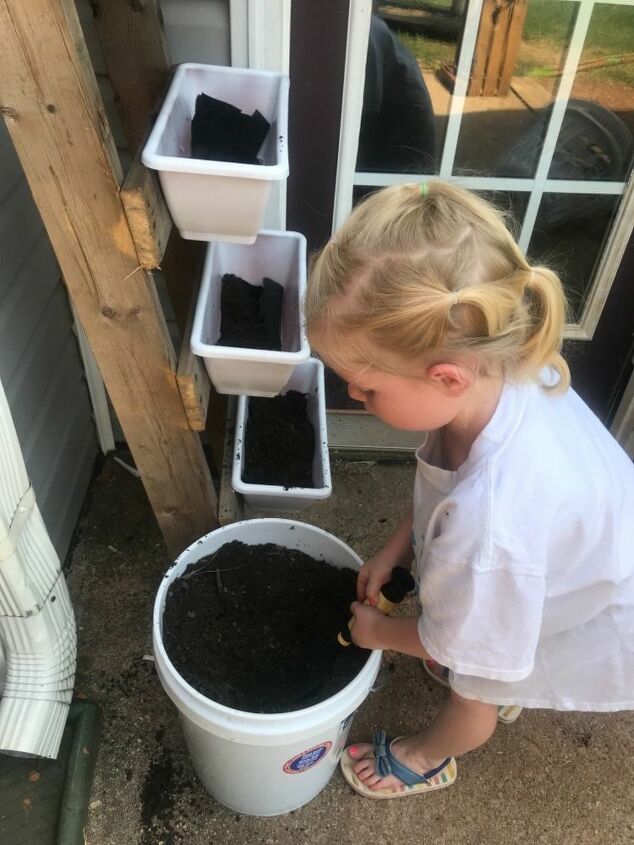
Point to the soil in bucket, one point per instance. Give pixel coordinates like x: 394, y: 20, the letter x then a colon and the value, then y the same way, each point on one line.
x: 250, y: 315
x: 279, y: 441
x: 221, y: 132
x: 254, y: 627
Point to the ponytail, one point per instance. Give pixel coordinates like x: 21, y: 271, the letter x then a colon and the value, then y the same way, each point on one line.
x: 547, y: 310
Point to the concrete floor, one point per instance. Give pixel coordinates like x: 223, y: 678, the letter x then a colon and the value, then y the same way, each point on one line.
x: 550, y: 778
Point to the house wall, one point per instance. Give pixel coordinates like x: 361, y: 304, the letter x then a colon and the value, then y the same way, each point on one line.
x: 197, y: 31
x: 40, y: 364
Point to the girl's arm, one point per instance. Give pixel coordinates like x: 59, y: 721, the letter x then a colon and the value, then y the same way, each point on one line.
x: 399, y: 546
x: 371, y: 629
x: 396, y: 552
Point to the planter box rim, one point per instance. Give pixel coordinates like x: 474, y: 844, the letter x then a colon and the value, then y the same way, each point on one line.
x: 213, y: 167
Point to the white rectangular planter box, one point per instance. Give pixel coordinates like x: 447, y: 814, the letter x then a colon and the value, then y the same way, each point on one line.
x: 218, y: 200
x: 269, y: 498
x: 258, y: 372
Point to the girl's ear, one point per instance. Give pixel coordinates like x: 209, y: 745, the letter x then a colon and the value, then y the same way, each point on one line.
x: 452, y: 379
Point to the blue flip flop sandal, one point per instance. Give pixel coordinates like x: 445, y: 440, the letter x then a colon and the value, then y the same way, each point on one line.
x: 386, y: 764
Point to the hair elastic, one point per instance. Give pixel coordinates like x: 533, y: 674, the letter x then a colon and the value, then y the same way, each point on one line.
x: 424, y: 189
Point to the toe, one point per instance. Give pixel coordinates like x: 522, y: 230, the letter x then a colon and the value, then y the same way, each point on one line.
x: 358, y: 752
x: 378, y: 783
x: 364, y: 767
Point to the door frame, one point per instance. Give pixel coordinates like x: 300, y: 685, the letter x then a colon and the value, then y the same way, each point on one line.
x: 623, y: 425
x: 260, y: 37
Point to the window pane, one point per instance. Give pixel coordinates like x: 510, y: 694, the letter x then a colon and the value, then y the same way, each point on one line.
x: 502, y: 134
x: 596, y: 138
x: 512, y: 203
x: 361, y: 191
x: 569, y: 236
x: 405, y: 107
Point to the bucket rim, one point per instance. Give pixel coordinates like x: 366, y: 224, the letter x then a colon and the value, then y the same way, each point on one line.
x: 369, y: 668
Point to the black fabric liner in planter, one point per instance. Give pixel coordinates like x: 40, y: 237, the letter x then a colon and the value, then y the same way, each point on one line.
x: 250, y: 315
x: 221, y: 132
x: 254, y: 627
x: 279, y: 441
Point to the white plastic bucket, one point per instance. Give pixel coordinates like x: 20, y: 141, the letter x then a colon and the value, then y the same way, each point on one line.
x: 258, y: 372
x: 218, y: 200
x: 254, y: 763
x: 271, y: 498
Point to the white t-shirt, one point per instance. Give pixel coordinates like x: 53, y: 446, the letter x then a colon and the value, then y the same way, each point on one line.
x: 525, y: 558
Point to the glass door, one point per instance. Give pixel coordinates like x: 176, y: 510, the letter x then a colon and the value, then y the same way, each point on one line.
x: 530, y: 102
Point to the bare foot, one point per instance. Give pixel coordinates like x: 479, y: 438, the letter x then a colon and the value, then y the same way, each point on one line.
x: 406, y: 752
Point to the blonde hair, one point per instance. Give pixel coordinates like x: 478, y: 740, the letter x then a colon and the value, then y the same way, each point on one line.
x: 419, y: 270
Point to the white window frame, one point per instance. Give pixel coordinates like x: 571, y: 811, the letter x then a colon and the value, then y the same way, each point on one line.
x: 261, y: 39
x: 347, y: 178
x: 623, y: 424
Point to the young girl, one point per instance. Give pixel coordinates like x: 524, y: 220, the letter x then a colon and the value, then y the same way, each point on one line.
x: 522, y: 528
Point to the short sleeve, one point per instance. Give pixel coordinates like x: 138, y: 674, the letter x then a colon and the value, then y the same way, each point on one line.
x: 481, y: 619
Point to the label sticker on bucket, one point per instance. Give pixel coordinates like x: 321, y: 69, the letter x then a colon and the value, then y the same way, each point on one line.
x: 307, y: 759
x: 344, y: 730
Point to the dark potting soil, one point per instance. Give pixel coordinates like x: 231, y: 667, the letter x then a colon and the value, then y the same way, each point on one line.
x: 221, y: 132
x: 255, y: 628
x: 250, y: 315
x: 279, y: 441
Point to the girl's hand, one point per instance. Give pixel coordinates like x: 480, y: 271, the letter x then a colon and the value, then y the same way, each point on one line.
x: 373, y: 575
x: 371, y: 629
x: 366, y: 626
x: 378, y: 570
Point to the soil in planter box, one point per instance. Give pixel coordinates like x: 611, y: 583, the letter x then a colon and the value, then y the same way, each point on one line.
x: 250, y: 315
x: 221, y: 132
x: 279, y: 441
x: 255, y: 628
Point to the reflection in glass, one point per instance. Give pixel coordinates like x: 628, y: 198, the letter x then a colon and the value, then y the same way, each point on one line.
x: 503, y: 135
x: 512, y: 204
x: 572, y: 243
x: 596, y: 139
x: 361, y: 191
x: 413, y: 47
x: 397, y: 124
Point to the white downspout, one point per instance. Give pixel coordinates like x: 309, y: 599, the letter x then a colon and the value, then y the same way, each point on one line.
x: 37, y: 626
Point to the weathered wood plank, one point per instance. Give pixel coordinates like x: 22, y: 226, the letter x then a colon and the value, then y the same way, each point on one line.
x: 193, y: 381
x: 206, y: 408
x: 497, y: 46
x: 148, y: 217
x: 54, y: 113
x: 499, y: 38
x: 194, y: 386
x: 133, y: 42
x: 180, y: 260
x: 482, y: 46
x: 513, y: 44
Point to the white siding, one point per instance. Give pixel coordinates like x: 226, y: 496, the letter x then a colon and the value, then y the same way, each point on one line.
x: 40, y: 366
x: 197, y: 31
